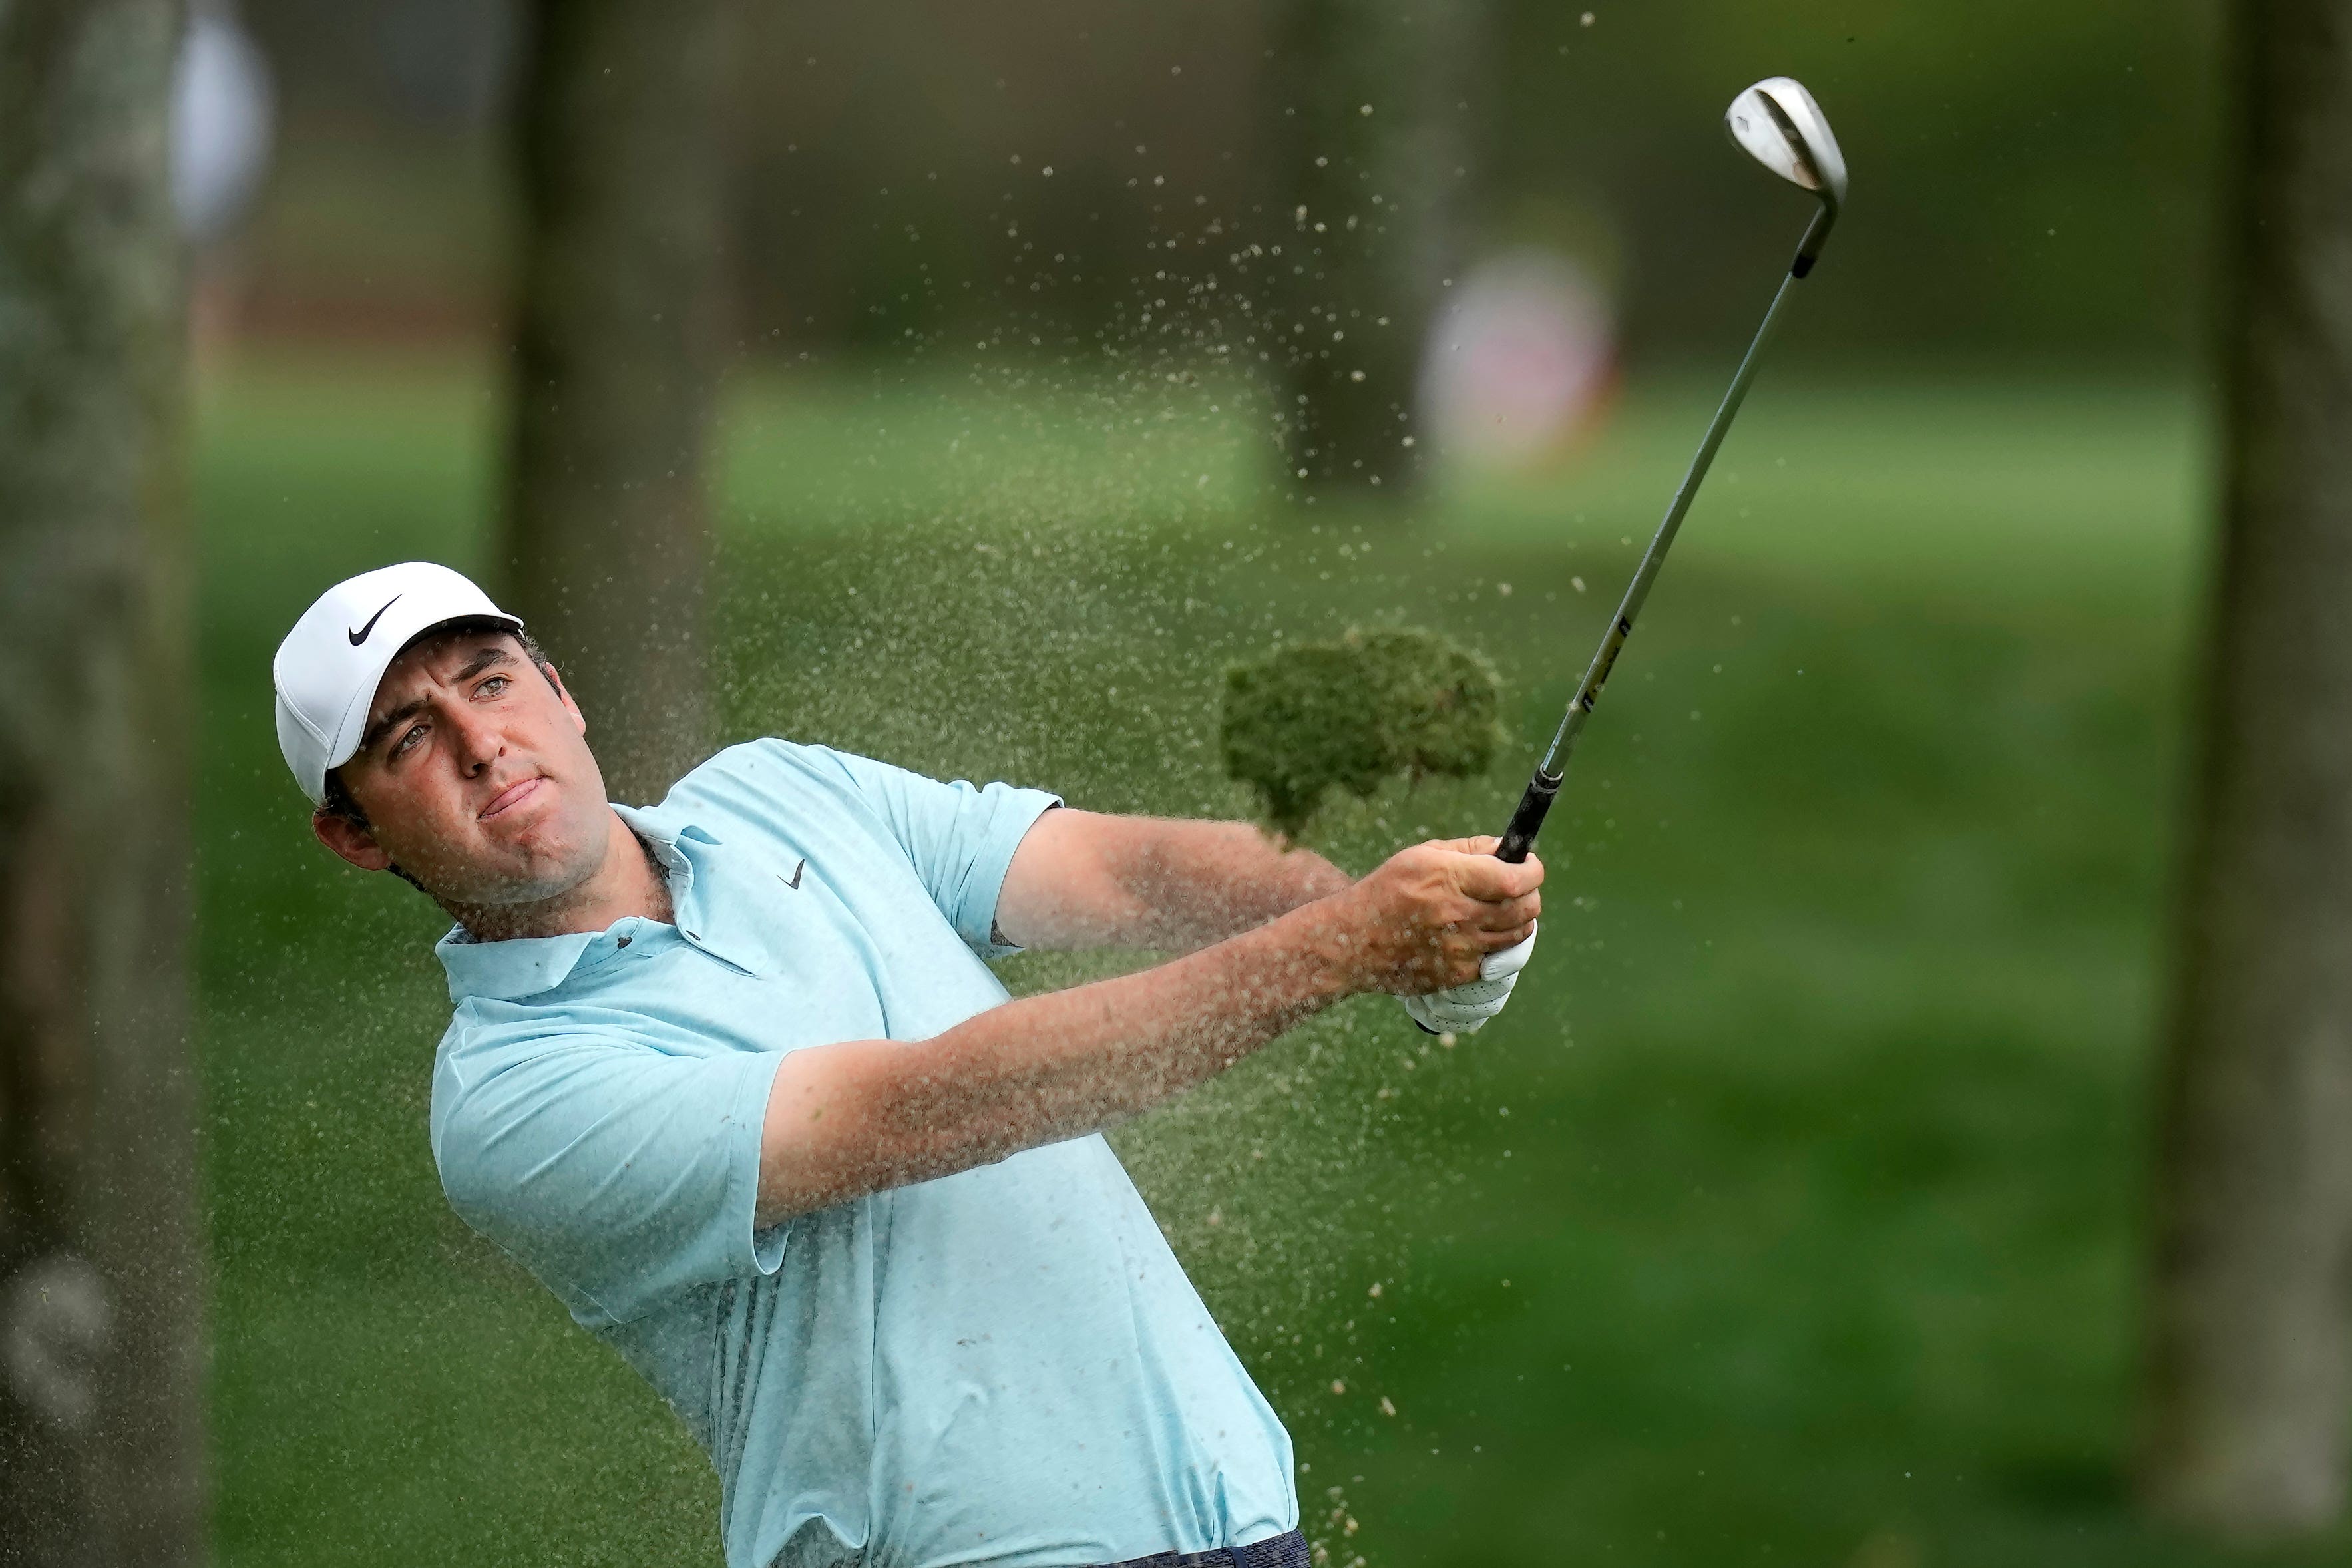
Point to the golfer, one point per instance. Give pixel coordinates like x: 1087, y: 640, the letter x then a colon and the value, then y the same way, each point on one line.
x: 731, y: 1076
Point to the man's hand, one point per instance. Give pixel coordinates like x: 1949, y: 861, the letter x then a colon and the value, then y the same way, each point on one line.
x: 1427, y: 919
x: 1465, y: 1009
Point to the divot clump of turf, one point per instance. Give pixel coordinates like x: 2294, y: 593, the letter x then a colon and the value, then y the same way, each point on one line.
x: 1353, y: 712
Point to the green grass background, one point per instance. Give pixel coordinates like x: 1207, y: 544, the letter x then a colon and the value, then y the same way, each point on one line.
x: 1791, y: 1216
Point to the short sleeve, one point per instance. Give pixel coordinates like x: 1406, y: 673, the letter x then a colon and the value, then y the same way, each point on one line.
x: 615, y: 1172
x: 959, y: 838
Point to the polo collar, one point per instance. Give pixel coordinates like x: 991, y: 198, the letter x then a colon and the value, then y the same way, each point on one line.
x: 526, y: 966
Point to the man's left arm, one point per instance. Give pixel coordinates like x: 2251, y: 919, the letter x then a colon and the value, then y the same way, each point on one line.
x: 1081, y: 879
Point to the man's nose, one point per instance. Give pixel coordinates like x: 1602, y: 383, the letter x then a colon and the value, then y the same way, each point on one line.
x: 478, y: 740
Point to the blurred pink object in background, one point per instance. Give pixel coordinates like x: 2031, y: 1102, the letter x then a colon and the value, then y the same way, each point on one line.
x: 1521, y: 359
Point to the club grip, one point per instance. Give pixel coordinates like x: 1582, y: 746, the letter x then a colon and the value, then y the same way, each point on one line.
x: 1528, y: 821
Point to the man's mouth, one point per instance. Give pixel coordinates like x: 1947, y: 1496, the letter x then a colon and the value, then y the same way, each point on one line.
x: 506, y: 799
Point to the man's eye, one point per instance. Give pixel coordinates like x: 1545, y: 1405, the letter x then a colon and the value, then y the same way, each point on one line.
x: 492, y: 686
x: 415, y: 734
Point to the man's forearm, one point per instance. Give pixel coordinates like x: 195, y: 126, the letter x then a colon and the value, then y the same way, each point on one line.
x: 1204, y: 882
x: 867, y: 1115
x: 1084, y: 880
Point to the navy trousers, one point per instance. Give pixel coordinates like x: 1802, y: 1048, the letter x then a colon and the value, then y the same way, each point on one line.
x: 1275, y: 1551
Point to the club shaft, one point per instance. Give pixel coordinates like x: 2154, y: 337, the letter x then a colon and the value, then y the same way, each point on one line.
x: 1519, y: 837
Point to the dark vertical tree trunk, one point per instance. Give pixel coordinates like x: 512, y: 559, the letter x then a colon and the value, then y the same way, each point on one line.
x: 1368, y: 215
x: 617, y: 364
x: 2251, y: 1323
x: 101, y: 1288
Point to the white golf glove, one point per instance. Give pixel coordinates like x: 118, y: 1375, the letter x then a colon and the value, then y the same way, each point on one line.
x: 1465, y: 1009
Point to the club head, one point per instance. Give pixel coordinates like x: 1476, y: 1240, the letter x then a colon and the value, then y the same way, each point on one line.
x: 1777, y: 123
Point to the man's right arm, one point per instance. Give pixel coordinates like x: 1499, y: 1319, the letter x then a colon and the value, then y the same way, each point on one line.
x: 866, y: 1115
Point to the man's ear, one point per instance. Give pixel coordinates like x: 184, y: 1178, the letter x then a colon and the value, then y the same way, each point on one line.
x: 350, y: 840
x: 556, y: 678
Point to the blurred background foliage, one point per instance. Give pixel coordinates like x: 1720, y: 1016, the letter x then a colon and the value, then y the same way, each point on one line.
x: 1793, y: 1214
x: 2032, y: 183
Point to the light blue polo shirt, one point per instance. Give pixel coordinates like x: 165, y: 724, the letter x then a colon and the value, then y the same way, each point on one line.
x: 1002, y: 1366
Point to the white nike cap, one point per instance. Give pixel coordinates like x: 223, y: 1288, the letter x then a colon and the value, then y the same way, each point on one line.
x: 327, y: 669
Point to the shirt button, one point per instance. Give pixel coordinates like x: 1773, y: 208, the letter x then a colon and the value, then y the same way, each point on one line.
x: 623, y: 942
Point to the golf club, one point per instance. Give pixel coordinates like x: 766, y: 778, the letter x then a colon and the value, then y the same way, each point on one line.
x: 1777, y: 123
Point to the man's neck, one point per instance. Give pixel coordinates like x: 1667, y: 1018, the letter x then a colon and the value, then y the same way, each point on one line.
x: 629, y: 881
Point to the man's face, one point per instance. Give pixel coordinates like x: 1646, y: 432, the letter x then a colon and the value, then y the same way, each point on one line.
x: 475, y: 777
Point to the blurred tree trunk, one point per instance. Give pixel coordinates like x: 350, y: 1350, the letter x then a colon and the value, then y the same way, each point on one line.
x: 1368, y: 218
x: 2251, y: 1325
x: 617, y: 364
x: 102, y: 1430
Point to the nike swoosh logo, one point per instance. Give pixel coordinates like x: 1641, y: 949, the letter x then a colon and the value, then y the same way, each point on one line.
x: 360, y: 635
x: 793, y: 881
